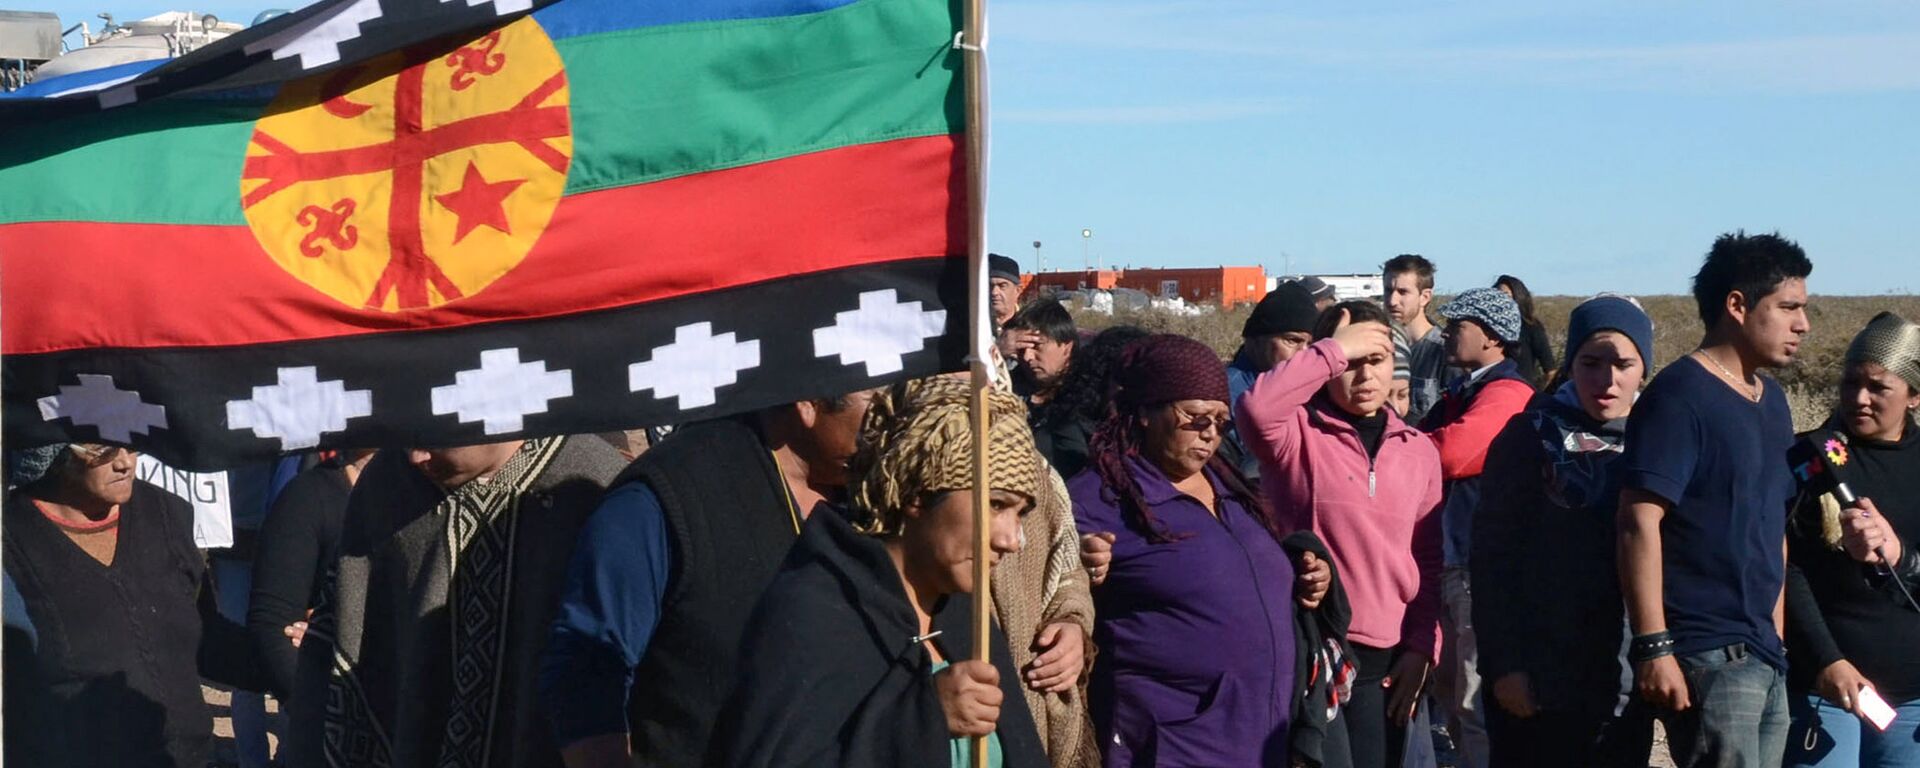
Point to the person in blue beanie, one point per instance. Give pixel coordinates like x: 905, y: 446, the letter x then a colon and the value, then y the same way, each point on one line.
x: 1546, y: 592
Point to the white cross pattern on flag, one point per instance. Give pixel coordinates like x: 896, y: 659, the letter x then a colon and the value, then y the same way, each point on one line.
x: 97, y: 402
x: 317, y: 40
x: 299, y: 408
x: 695, y: 366
x: 502, y: 392
x: 880, y: 333
x: 501, y: 7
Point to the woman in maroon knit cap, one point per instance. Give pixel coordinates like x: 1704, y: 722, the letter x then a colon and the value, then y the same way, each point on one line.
x: 1195, y: 608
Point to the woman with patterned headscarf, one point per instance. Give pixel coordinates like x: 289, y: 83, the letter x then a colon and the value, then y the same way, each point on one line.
x: 1195, y: 610
x: 859, y: 653
x: 1852, y: 623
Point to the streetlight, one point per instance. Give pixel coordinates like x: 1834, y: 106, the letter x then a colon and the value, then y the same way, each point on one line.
x: 1038, y: 265
x: 1086, y: 248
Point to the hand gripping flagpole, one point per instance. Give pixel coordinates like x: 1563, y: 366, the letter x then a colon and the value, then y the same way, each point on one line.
x: 971, y: 43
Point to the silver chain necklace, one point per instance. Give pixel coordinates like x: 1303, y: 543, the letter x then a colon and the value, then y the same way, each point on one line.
x: 1748, y: 390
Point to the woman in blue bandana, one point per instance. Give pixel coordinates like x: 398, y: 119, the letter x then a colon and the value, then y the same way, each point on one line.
x: 1547, y: 604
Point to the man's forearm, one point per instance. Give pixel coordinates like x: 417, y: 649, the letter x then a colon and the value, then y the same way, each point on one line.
x: 1780, y: 605
x: 1641, y: 580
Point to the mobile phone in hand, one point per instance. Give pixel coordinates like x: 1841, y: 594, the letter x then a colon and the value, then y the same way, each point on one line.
x: 1874, y: 708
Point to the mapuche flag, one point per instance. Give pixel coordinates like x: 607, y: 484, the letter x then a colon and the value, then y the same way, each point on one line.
x: 423, y: 222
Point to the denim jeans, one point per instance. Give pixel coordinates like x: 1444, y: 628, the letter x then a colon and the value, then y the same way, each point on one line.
x: 1456, y: 684
x: 233, y: 585
x: 1826, y: 736
x: 1738, y: 717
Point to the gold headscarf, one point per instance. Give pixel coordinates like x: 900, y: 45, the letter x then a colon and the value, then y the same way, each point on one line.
x: 917, y: 440
x: 1891, y: 341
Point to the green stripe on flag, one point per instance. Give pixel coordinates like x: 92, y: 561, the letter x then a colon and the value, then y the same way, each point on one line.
x: 660, y: 102
x: 647, y: 104
x: 172, y: 161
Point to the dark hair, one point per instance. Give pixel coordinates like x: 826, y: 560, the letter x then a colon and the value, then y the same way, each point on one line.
x: 834, y: 404
x: 1119, y: 438
x: 1409, y: 262
x: 1752, y: 265
x: 1087, y: 391
x: 1049, y: 317
x: 1521, y: 296
x: 1358, y: 311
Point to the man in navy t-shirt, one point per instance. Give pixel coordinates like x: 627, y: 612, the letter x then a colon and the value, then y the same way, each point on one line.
x: 1703, y: 512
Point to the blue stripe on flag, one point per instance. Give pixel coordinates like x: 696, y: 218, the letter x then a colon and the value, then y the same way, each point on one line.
x: 570, y: 18
x: 79, y: 81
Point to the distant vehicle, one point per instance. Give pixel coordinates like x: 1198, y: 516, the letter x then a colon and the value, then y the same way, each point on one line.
x: 33, y: 46
x: 27, y: 40
x: 1355, y: 285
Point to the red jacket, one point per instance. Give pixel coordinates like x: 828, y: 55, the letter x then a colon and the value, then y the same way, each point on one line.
x: 1462, y: 426
x: 1464, y: 423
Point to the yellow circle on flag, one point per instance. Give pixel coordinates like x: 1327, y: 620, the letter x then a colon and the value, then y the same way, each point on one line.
x: 416, y: 178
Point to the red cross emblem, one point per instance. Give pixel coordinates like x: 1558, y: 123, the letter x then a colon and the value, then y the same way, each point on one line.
x: 416, y: 179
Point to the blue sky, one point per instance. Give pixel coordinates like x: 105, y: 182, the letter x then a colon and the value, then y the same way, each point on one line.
x: 1583, y: 146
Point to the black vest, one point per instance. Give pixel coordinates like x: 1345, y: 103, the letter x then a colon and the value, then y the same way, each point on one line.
x: 729, y: 518
x: 115, y: 680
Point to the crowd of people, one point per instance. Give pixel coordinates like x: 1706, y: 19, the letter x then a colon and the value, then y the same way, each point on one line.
x: 1379, y: 516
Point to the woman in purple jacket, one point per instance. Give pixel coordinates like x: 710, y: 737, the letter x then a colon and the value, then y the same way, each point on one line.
x: 1195, y: 609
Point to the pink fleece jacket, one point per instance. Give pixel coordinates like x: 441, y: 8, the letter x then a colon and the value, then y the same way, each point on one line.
x: 1380, y: 519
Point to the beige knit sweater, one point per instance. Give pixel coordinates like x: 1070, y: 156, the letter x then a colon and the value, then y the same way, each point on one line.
x: 1044, y: 584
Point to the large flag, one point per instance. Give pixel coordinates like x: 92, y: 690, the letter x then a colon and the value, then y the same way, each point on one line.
x: 429, y: 222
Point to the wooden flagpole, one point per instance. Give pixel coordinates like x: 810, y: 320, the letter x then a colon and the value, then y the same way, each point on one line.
x: 973, y: 56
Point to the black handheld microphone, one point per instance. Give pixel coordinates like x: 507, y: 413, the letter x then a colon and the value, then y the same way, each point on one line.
x: 1820, y: 462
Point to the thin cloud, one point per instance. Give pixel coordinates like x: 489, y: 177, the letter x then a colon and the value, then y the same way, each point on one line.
x: 1425, y: 46
x: 1140, y: 114
x: 1812, y: 64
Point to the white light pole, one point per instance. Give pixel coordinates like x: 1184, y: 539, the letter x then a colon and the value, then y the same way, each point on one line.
x: 1038, y: 265
x: 1086, y: 249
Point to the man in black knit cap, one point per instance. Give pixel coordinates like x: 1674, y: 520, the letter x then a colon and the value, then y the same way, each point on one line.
x: 1281, y: 325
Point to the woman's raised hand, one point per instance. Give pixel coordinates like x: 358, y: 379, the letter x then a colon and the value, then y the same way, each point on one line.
x: 1359, y: 341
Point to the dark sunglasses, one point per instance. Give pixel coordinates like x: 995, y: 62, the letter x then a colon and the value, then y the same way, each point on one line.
x: 98, y: 455
x: 1204, y: 423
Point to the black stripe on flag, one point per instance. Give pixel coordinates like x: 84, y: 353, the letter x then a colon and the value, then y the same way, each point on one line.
x: 779, y: 341
x: 327, y: 35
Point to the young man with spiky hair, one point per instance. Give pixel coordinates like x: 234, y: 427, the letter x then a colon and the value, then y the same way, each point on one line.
x: 1703, y: 505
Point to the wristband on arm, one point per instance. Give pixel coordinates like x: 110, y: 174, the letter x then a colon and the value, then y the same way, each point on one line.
x: 1650, y: 646
x: 1908, y: 569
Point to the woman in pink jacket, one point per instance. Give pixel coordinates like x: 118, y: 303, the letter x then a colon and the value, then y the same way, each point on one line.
x: 1336, y: 460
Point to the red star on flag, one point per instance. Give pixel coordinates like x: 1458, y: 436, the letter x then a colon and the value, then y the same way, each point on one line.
x: 478, y: 202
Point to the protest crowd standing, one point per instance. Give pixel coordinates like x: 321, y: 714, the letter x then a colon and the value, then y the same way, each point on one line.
x: 1374, y: 518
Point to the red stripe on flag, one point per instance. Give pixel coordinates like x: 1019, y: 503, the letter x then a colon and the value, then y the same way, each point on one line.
x: 72, y: 285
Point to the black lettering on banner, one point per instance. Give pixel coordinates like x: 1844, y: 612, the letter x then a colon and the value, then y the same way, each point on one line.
x: 205, y: 491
